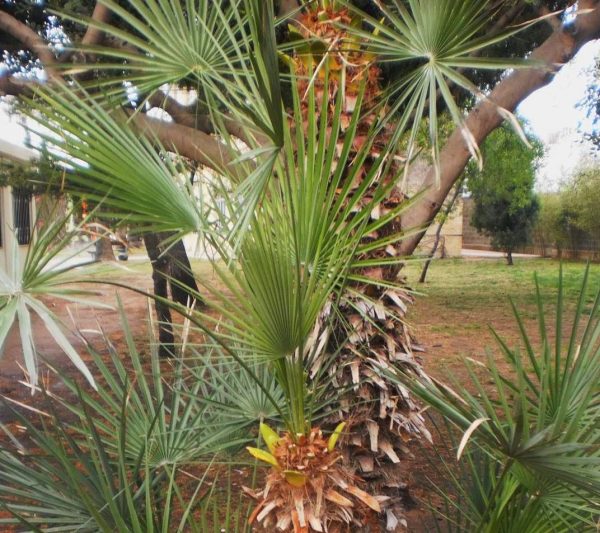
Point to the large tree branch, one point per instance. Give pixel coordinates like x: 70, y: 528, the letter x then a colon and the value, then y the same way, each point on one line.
x: 185, y: 115
x: 94, y: 35
x: 187, y: 141
x: 188, y: 116
x: 191, y: 143
x: 10, y: 87
x: 30, y: 40
x: 557, y: 50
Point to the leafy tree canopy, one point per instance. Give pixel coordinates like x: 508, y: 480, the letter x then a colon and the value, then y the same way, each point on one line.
x: 582, y: 198
x: 505, y: 204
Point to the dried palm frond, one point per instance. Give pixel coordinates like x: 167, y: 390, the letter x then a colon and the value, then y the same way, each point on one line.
x: 308, y: 488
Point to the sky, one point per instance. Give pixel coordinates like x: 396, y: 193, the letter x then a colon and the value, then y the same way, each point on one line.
x: 551, y: 113
x: 554, y: 117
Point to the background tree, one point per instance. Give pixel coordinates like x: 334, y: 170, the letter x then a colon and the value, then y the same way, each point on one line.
x: 553, y: 226
x: 567, y: 220
x: 505, y: 204
x: 581, y: 197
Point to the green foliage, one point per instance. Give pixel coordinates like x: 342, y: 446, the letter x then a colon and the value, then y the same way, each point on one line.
x: 530, y: 446
x: 568, y: 219
x: 555, y: 224
x: 582, y: 197
x: 505, y: 204
x: 299, y: 249
x: 35, y: 177
x: 117, y: 167
x: 136, y: 454
x: 303, y: 245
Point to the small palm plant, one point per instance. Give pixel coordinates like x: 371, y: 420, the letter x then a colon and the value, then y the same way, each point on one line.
x: 43, y: 272
x: 133, y: 455
x: 530, y: 449
x: 303, y: 200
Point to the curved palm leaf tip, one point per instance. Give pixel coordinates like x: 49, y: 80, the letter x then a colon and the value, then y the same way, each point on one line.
x: 24, y: 285
x: 531, y: 447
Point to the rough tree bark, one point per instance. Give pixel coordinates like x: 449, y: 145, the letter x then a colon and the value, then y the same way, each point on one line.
x: 555, y: 52
x: 171, y: 272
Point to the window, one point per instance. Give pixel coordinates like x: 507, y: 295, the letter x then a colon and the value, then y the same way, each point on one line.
x: 22, y: 216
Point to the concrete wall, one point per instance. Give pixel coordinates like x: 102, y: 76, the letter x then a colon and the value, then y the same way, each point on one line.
x: 471, y: 238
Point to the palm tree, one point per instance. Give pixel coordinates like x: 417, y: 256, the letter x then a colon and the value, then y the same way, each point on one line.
x: 309, y: 237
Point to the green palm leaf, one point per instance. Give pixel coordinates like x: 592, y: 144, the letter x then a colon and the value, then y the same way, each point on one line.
x: 537, y: 431
x: 441, y: 38
x: 111, y: 163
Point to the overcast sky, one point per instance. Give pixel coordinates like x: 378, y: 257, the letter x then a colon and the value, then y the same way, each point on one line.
x: 554, y: 117
x: 551, y: 112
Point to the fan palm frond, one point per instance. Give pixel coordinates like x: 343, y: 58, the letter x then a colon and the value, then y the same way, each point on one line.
x: 534, y: 428
x: 440, y: 38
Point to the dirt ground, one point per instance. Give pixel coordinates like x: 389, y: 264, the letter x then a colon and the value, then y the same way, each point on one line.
x: 89, y: 321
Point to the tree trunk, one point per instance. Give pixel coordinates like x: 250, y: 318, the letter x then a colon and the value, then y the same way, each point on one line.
x: 171, y: 269
x: 184, y: 289
x: 160, y: 273
x: 438, y: 232
x: 104, y: 250
x: 509, y: 258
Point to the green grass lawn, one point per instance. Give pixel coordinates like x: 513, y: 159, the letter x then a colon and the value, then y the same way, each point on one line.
x: 464, y: 299
x: 469, y: 285
x: 452, y: 284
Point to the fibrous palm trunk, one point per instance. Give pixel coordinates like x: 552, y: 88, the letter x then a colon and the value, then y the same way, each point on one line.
x: 382, y: 416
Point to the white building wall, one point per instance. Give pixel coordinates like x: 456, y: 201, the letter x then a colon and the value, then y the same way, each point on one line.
x: 9, y: 239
